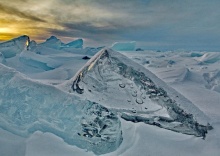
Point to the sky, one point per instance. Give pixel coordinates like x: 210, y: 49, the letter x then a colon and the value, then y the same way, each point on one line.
x: 153, y: 24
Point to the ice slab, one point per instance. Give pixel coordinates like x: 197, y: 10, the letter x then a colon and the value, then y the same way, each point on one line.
x: 15, y: 46
x: 138, y: 95
x: 27, y: 106
x: 124, y: 46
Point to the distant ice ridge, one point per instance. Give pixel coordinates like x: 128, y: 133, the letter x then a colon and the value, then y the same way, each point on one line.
x: 54, y: 42
x: 75, y: 44
x: 27, y: 106
x: 124, y: 46
x: 123, y: 86
x: 15, y: 46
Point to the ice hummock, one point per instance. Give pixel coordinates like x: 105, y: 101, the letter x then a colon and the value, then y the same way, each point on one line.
x: 121, y: 85
x: 75, y: 44
x: 55, y: 43
x: 2, y: 58
x: 52, y: 42
x: 34, y: 60
x: 124, y: 46
x: 27, y: 106
x: 15, y: 46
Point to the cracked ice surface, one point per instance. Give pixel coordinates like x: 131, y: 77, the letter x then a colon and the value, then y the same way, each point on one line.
x: 27, y: 106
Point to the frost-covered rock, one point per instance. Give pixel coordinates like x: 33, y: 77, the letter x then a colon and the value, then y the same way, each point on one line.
x: 139, y: 49
x: 27, y: 106
x: 124, y: 46
x: 14, y: 46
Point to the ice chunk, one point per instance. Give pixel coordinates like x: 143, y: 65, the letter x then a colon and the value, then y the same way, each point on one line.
x: 55, y: 43
x: 75, y: 44
x: 52, y: 42
x: 92, y: 50
x: 106, y: 79
x: 209, y: 58
x: 32, y: 45
x: 14, y: 46
x: 124, y: 46
x: 27, y: 106
x: 38, y: 61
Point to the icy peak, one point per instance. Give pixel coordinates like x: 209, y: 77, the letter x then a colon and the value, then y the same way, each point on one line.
x: 118, y: 83
x: 22, y: 38
x: 52, y: 38
x: 15, y: 46
x: 52, y: 42
x: 75, y: 44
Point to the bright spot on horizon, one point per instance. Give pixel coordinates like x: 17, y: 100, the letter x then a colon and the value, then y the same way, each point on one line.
x: 6, y: 30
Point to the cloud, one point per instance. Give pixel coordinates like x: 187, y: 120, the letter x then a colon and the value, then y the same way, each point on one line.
x: 151, y: 22
x: 18, y: 13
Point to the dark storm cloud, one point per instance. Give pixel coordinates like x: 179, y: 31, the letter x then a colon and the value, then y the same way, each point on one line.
x: 16, y: 12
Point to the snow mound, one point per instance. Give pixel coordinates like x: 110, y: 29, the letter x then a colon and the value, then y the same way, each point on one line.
x: 27, y: 106
x: 2, y: 58
x: 124, y: 46
x: 213, y: 80
x: 121, y: 85
x: 38, y: 61
x: 210, y: 58
x: 14, y: 46
x: 176, y: 75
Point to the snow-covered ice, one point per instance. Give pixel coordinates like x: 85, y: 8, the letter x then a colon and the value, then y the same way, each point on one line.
x: 27, y: 106
x: 14, y: 46
x: 46, y: 110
